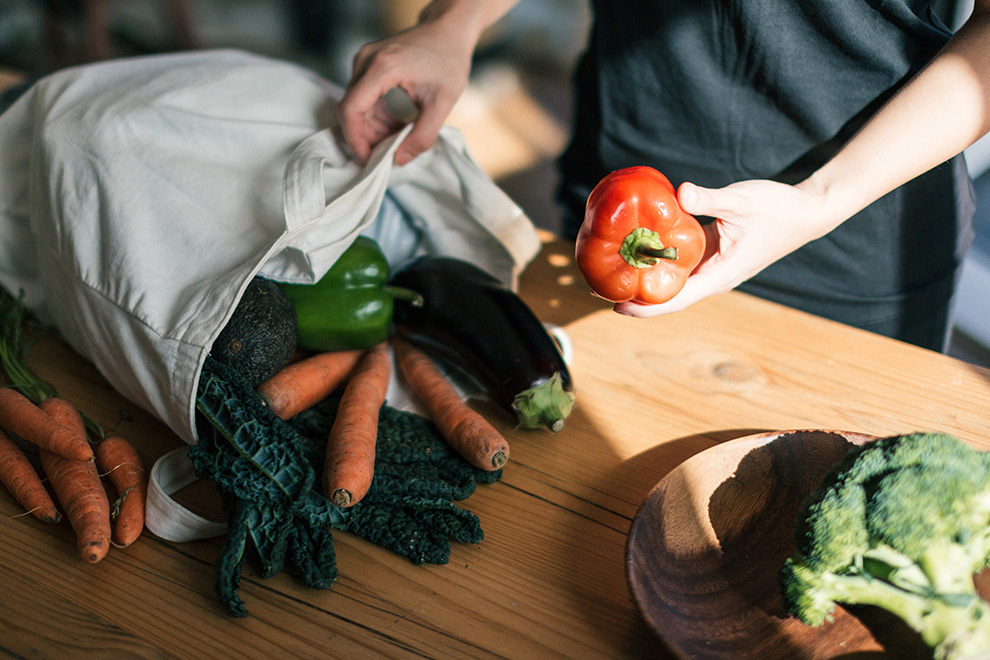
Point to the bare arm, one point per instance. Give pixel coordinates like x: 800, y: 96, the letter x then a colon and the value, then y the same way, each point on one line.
x: 431, y: 62
x: 936, y: 115
x: 939, y: 113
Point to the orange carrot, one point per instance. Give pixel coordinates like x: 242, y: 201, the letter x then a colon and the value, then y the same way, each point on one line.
x: 464, y: 428
x: 23, y: 482
x: 23, y: 418
x: 78, y: 487
x: 350, y: 461
x: 119, y: 461
x: 304, y: 383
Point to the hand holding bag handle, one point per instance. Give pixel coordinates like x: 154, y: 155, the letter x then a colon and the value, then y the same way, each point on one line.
x: 451, y: 207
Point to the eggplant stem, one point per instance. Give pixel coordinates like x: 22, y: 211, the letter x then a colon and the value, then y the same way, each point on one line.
x: 547, y: 404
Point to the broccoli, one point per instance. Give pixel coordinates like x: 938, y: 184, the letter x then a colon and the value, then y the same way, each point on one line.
x: 902, y: 524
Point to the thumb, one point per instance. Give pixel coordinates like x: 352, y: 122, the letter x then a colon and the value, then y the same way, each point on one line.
x: 426, y: 129
x: 697, y: 200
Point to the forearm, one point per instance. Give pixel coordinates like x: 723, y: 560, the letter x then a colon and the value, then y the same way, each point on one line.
x: 936, y: 115
x: 467, y: 18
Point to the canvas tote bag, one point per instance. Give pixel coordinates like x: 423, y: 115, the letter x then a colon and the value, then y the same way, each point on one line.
x: 138, y: 197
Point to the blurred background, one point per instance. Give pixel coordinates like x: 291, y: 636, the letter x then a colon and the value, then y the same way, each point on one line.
x: 515, y: 114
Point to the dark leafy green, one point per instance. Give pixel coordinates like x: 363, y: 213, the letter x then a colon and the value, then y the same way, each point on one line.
x: 267, y: 472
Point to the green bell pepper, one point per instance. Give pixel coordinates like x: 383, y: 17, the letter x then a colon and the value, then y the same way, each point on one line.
x: 351, y: 305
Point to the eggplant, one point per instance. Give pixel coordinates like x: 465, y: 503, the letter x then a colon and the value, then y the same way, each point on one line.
x: 465, y: 318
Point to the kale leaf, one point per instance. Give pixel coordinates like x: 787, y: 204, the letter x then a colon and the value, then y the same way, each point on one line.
x: 267, y: 472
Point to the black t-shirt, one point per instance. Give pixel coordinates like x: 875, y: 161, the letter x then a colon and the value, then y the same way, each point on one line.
x: 717, y: 91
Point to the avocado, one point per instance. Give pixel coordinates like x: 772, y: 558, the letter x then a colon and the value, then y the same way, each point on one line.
x: 261, y: 335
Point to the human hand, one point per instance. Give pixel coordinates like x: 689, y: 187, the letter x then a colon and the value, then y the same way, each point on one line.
x: 758, y: 222
x: 430, y: 64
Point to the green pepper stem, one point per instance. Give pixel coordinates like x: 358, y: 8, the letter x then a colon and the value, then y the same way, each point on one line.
x: 642, y: 248
x: 414, y: 298
x: 669, y: 252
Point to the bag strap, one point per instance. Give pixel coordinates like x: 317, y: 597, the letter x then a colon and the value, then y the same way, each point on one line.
x: 166, y: 518
x: 318, y: 165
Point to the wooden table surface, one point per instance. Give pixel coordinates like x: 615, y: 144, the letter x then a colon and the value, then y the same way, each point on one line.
x: 548, y: 580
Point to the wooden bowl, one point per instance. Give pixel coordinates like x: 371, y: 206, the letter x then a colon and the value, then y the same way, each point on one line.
x: 706, y: 546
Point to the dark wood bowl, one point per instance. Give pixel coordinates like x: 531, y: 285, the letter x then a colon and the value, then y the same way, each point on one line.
x: 705, y: 550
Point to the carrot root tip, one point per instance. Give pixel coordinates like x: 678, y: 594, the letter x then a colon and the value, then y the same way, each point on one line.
x: 47, y: 518
x: 341, y: 497
x: 95, y: 554
x: 499, y: 459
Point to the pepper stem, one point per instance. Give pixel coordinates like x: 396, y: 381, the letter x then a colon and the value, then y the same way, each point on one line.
x: 414, y: 298
x: 669, y: 252
x: 642, y: 248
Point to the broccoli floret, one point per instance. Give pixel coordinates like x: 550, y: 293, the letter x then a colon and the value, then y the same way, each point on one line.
x: 903, y: 524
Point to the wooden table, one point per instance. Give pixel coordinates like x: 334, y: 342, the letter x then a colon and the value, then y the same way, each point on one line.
x: 548, y: 580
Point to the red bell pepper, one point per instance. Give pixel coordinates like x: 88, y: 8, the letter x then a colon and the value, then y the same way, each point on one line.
x: 636, y: 243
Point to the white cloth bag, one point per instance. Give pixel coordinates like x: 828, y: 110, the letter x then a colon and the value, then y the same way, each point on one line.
x: 138, y: 197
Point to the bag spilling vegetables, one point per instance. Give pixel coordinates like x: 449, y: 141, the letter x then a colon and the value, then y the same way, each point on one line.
x: 143, y: 196
x: 147, y: 198
x: 332, y: 455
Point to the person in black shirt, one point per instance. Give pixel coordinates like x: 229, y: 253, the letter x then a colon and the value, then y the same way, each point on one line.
x: 820, y: 142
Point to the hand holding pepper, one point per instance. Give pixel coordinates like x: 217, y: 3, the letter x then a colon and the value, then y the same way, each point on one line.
x: 636, y: 243
x: 758, y: 222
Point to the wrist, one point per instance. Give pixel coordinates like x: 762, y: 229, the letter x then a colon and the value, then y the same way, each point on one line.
x: 467, y: 18
x: 832, y: 199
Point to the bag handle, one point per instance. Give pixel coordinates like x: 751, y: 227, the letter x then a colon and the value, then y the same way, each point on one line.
x: 318, y: 230
x: 166, y: 518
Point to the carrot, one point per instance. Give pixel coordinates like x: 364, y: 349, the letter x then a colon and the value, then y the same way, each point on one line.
x: 464, y: 428
x: 118, y: 460
x: 25, y: 419
x: 78, y: 487
x: 23, y: 482
x: 350, y: 460
x: 308, y: 381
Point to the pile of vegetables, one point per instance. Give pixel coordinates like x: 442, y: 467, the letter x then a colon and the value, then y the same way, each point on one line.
x: 315, y: 447
x: 901, y: 524
x: 32, y: 412
x: 438, y: 315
